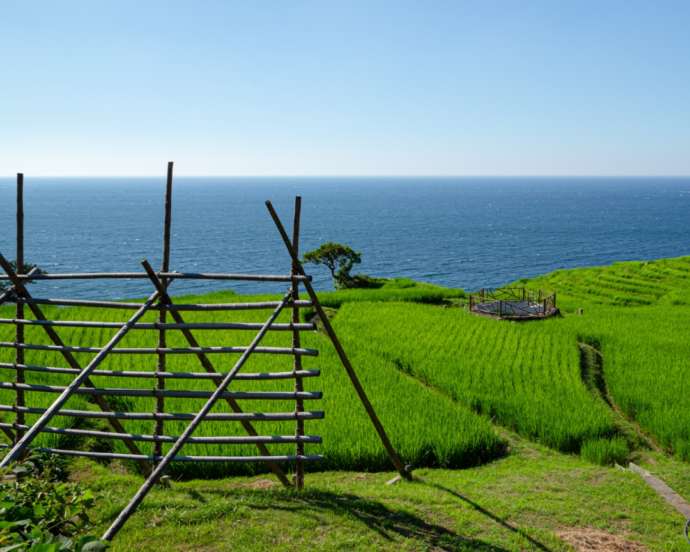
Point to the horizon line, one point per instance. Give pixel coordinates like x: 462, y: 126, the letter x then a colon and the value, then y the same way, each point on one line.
x: 373, y: 176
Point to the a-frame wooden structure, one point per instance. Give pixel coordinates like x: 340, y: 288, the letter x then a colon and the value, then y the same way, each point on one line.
x: 22, y: 434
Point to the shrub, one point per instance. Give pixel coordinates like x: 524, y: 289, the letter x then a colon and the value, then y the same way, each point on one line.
x: 362, y: 281
x: 605, y: 452
x: 39, y: 512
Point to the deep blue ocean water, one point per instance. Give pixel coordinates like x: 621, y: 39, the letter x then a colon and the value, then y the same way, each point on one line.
x: 461, y: 232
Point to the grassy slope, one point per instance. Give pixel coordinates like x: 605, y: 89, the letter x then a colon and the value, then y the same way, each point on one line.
x: 635, y: 312
x: 521, y: 502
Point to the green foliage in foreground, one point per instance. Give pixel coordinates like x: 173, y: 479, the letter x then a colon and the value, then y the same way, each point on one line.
x: 41, y: 514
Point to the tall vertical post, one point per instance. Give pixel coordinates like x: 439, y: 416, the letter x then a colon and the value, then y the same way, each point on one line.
x: 19, y: 336
x: 296, y: 344
x: 162, y: 313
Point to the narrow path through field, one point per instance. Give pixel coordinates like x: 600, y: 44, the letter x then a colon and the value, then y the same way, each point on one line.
x: 592, y: 373
x: 663, y: 490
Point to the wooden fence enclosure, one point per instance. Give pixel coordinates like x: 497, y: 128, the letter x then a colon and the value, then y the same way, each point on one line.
x: 513, y: 303
x: 170, y: 318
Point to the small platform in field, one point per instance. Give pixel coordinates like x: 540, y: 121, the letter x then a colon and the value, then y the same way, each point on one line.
x: 513, y: 303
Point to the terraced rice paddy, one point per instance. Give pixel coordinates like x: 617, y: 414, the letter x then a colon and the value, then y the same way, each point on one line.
x: 439, y: 376
x: 523, y: 375
x: 646, y: 347
x: 349, y: 441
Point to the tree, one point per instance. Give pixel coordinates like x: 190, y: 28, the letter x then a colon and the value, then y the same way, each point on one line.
x: 338, y: 258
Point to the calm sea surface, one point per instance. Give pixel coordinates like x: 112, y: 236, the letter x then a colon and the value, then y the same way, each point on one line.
x: 462, y: 232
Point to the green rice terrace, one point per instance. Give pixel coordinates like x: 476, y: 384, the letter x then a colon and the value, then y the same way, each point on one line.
x: 518, y: 432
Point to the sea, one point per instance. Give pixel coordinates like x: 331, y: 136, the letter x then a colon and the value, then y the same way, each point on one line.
x: 460, y: 232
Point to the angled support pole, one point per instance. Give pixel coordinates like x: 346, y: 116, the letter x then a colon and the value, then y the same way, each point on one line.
x: 101, y: 401
x: 53, y: 409
x: 392, y: 454
x: 208, y: 366
x: 198, y: 418
x: 5, y: 295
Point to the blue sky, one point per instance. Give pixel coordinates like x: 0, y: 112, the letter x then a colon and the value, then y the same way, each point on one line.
x: 346, y: 88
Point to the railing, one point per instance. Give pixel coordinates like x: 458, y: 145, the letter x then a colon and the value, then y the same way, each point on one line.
x: 158, y: 374
x: 513, y: 303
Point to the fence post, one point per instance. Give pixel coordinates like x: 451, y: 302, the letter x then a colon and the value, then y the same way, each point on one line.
x: 296, y: 344
x: 162, y: 313
x: 19, y: 334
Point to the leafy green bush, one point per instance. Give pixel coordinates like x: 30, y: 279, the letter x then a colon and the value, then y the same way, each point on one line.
x: 605, y: 452
x: 362, y: 281
x: 39, y: 513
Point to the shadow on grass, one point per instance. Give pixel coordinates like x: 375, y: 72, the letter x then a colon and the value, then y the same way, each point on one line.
x: 476, y: 506
x: 390, y: 524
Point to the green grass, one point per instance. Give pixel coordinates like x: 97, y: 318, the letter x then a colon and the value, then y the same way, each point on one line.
x: 438, y: 377
x: 524, y: 376
x: 428, y: 428
x: 646, y: 349
x: 606, y: 452
x: 525, y: 501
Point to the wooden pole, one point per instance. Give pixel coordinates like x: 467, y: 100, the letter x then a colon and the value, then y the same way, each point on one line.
x: 162, y: 312
x: 153, y: 350
x: 296, y: 344
x: 170, y: 275
x: 189, y: 430
x: 257, y: 305
x: 19, y: 333
x: 392, y: 454
x: 208, y: 366
x: 213, y: 417
x: 156, y: 325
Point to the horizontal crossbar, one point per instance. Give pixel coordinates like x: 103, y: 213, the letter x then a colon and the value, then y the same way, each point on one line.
x: 151, y: 458
x: 117, y: 391
x: 211, y: 417
x: 166, y: 275
x: 219, y: 440
x: 172, y: 307
x: 159, y: 325
x: 171, y: 375
x: 161, y: 350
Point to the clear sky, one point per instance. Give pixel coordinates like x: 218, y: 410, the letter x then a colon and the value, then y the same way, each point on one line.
x: 345, y: 88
